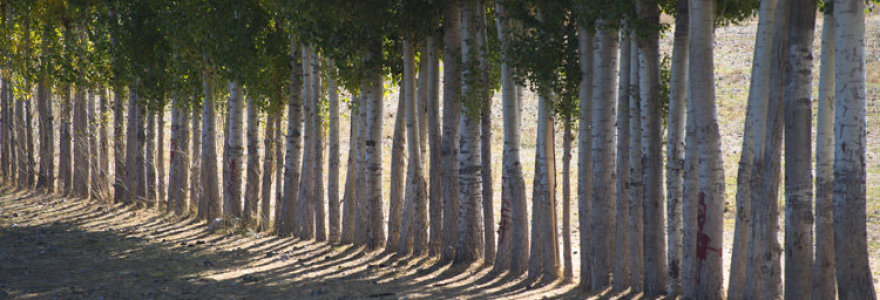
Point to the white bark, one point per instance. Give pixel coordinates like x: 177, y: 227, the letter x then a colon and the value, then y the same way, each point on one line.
x: 80, y: 144
x: 585, y: 155
x: 304, y: 223
x: 252, y: 186
x: 209, y: 201
x: 318, y: 204
x: 373, y: 148
x: 622, y: 266
x: 451, y: 115
x: 710, y: 208
x: 97, y: 186
x: 413, y: 233
x: 178, y: 172
x: 798, y: 158
x: 675, y: 148
x: 333, y: 156
x: 269, y: 146
x: 150, y: 159
x: 233, y: 152
x: 854, y: 277
x: 65, y: 160
x: 636, y: 181
x: 824, y: 282
x: 398, y: 165
x: 433, y: 125
x: 195, y: 181
x: 285, y: 218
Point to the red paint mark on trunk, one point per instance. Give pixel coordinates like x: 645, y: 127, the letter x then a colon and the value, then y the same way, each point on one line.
x: 703, y: 239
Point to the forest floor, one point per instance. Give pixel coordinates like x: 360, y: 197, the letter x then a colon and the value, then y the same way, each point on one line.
x: 54, y: 247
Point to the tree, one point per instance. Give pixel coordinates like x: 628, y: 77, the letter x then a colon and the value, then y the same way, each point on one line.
x: 209, y: 199
x: 452, y: 27
x: 513, y: 249
x: 675, y: 147
x: 65, y: 178
x: 824, y: 282
x: 178, y: 173
x: 798, y: 170
x: 398, y: 165
x: 195, y: 181
x: 285, y: 217
x: 252, y: 186
x: 604, y: 81
x: 622, y: 257
x: 710, y: 205
x: 80, y: 144
x: 854, y: 277
x: 585, y: 154
x: 233, y: 152
x: 636, y: 181
x: 269, y: 145
x: 333, y: 156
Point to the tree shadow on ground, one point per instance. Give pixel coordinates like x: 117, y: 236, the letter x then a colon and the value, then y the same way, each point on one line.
x: 58, y: 247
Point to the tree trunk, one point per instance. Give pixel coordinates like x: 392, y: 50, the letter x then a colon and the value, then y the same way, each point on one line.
x: 252, y: 187
x: 373, y: 142
x: 19, y: 146
x: 764, y: 278
x: 305, y: 221
x: 513, y: 243
x: 486, y: 138
x: 636, y: 183
x: 675, y: 148
x: 433, y: 126
x: 470, y: 235
x: 209, y: 201
x: 233, y: 153
x: 413, y: 234
x: 451, y: 117
x: 80, y: 144
x: 160, y: 157
x: 178, y: 172
x: 349, y: 200
x: 135, y: 172
x: 824, y: 282
x: 604, y: 96
x: 272, y: 119
x: 710, y: 212
x: 759, y: 90
x: 568, y: 272
x: 585, y: 155
x: 398, y: 165
x: 285, y: 218
x: 46, y: 176
x: 545, y: 253
x: 29, y: 143
x: 195, y: 181
x: 120, y: 190
x: 96, y: 186
x: 333, y: 156
x: 150, y: 159
x: 279, y: 165
x: 850, y: 232
x: 4, y: 133
x: 362, y: 215
x: 689, y: 209
x: 65, y: 176
x: 652, y: 152
x: 104, y: 146
x: 622, y: 266
x: 319, y: 207
x: 798, y: 170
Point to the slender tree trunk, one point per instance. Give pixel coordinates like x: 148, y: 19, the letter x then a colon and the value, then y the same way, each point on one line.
x: 568, y: 272
x: 652, y: 153
x: 96, y: 186
x: 150, y: 160
x: 178, y: 172
x: 413, y: 234
x: 20, y: 148
x: 29, y: 143
x: 451, y: 115
x: 160, y: 157
x: 398, y: 165
x: 80, y: 144
x: 319, y: 206
x: 622, y: 266
x: 272, y: 119
x: 433, y: 126
x: 585, y: 155
x: 854, y: 277
x: 675, y: 148
x: 65, y: 175
x: 120, y: 190
x: 285, y: 221
x: 209, y: 200
x: 513, y: 247
x: 824, y: 282
x: 252, y: 187
x: 362, y: 216
x: 333, y: 156
x: 304, y: 223
x: 470, y: 235
x: 764, y: 278
x: 6, y: 131
x: 195, y: 181
x: 104, y: 146
x: 486, y: 138
x: 46, y: 176
x: 545, y: 253
x: 349, y: 200
x: 636, y: 183
x: 759, y: 90
x: 689, y: 209
x: 233, y: 153
x: 710, y: 212
x: 798, y: 169
x: 373, y: 142
x: 279, y: 165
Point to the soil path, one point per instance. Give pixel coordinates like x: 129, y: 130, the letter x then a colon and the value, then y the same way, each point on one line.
x: 56, y: 247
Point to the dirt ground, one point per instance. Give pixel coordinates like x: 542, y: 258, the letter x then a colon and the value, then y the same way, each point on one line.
x: 62, y: 248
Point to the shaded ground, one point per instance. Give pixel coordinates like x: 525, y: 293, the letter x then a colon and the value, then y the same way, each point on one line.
x: 56, y: 247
